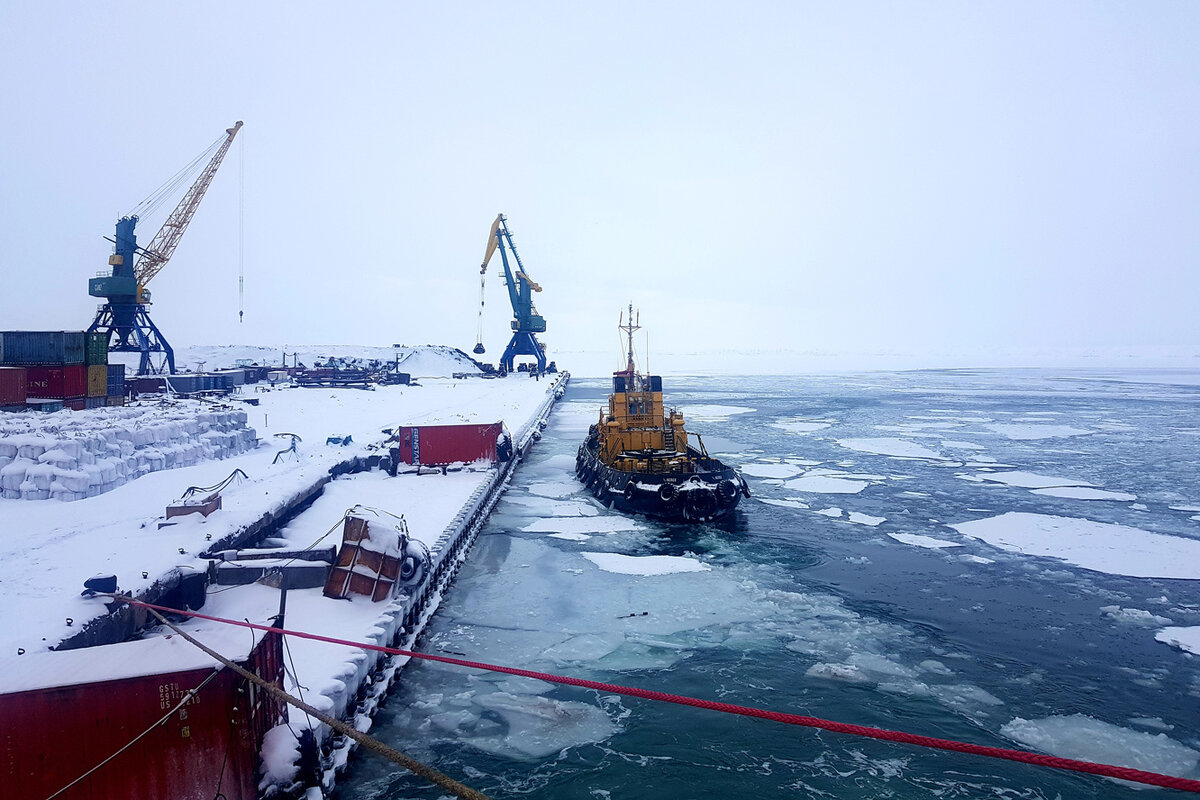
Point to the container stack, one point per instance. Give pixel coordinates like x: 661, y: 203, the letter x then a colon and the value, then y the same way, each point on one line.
x: 55, y: 366
x: 96, y: 359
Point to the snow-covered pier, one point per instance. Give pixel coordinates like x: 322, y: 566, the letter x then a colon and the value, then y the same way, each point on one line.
x: 292, y: 503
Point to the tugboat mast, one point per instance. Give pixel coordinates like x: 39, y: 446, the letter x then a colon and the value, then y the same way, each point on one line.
x: 629, y: 328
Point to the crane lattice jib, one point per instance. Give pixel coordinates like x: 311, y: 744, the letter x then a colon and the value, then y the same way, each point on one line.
x: 156, y: 255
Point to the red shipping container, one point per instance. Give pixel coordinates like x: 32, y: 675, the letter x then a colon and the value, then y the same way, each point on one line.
x: 13, y: 386
x: 438, y: 445
x: 54, y: 729
x: 57, y: 382
x: 75, y: 403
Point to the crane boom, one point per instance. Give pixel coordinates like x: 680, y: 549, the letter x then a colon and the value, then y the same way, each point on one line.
x: 156, y: 255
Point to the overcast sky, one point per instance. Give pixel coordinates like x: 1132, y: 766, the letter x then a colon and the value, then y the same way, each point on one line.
x: 839, y: 177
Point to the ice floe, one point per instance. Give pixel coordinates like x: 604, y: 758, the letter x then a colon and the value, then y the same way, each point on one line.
x: 1134, y: 616
x: 770, y: 470
x: 1030, y: 431
x: 713, y: 413
x: 554, y: 488
x: 571, y: 537
x: 866, y: 519
x: 645, y: 565
x: 834, y: 512
x: 885, y: 446
x: 785, y: 503
x: 822, y: 484
x: 918, y: 540
x: 1088, y: 739
x: 1100, y: 546
x: 802, y: 425
x: 1184, y: 638
x: 605, y: 524
x: 1030, y: 480
x: 1084, y: 493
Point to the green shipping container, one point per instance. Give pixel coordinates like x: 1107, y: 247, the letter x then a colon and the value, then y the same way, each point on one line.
x: 97, y: 349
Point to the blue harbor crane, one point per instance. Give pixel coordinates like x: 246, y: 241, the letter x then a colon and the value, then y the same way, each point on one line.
x: 124, y: 317
x: 526, y: 321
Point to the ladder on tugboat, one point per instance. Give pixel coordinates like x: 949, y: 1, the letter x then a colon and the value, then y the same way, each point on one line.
x: 669, y: 439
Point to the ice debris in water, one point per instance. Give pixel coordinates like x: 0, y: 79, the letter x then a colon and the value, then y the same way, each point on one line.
x: 1082, y: 737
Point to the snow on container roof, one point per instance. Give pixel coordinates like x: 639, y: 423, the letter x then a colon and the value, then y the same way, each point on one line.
x: 111, y: 662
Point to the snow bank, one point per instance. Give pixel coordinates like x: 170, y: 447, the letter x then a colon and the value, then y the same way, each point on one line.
x: 1100, y: 546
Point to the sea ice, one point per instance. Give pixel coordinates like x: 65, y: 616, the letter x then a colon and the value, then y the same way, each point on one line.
x: 1084, y: 493
x: 802, y: 426
x: 866, y: 519
x: 1134, y: 616
x: 821, y: 484
x: 787, y: 503
x: 1088, y: 739
x: 713, y: 413
x: 1029, y: 431
x: 1184, y: 638
x: 554, y: 488
x: 645, y: 565
x: 923, y: 541
x: 1030, y: 480
x: 610, y: 523
x: 770, y: 470
x: 956, y: 445
x: 1099, y: 546
x: 571, y: 537
x: 834, y: 512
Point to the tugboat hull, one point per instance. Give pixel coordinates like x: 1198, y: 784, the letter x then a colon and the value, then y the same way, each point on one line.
x: 701, y: 496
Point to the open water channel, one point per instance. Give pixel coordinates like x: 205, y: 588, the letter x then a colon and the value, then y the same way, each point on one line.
x: 839, y: 590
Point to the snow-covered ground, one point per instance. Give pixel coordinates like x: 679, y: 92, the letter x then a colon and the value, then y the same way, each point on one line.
x: 51, y: 547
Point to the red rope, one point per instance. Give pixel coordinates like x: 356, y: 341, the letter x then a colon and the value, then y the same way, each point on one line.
x: 1107, y: 770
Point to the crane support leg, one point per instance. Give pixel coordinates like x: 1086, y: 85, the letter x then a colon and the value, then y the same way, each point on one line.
x: 130, y: 330
x: 523, y: 343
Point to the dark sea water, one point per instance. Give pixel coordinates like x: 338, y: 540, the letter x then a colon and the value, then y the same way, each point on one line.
x: 814, y: 612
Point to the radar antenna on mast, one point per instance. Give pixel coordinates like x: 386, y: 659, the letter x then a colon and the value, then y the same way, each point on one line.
x: 629, y: 329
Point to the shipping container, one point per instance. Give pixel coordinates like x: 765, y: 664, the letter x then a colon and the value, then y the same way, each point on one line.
x: 13, y: 386
x: 97, y: 380
x: 75, y: 403
x: 95, y: 348
x: 69, y: 380
x: 116, y: 381
x: 149, y: 384
x: 235, y: 377
x: 186, y: 383
x: 438, y: 445
x: 64, y: 712
x: 41, y: 347
x: 48, y: 405
x: 96, y: 402
x: 118, y: 400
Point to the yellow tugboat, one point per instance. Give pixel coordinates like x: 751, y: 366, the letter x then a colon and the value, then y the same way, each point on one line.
x: 638, y: 459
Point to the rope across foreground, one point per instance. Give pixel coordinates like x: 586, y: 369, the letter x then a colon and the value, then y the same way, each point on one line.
x: 1037, y: 759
